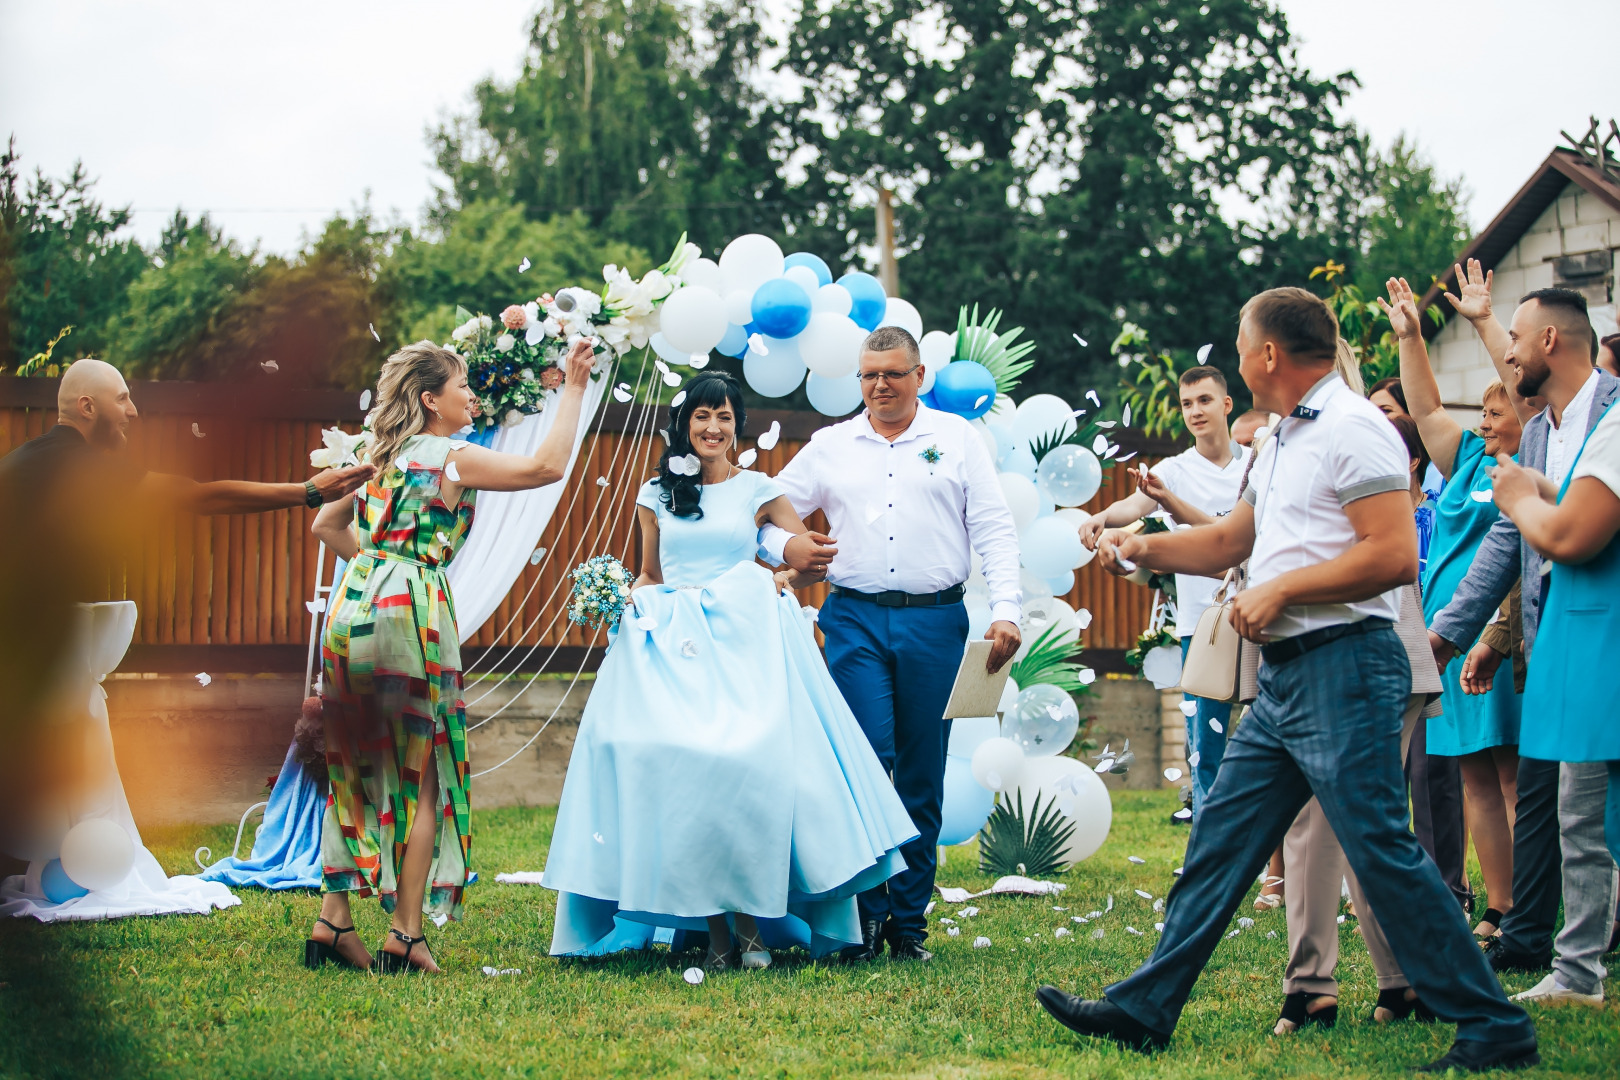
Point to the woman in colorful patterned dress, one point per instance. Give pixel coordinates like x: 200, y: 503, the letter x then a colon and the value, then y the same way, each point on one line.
x: 396, y: 731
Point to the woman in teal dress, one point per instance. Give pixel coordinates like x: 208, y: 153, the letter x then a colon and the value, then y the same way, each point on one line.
x: 718, y: 781
x: 1481, y: 731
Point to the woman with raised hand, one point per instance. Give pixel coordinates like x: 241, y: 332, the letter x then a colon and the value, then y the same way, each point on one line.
x: 398, y: 820
x: 1480, y: 730
x: 718, y: 782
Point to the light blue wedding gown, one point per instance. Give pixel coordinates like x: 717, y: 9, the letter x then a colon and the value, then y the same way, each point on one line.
x: 717, y: 768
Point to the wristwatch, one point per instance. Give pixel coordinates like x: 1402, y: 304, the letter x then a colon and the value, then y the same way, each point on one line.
x: 312, y: 495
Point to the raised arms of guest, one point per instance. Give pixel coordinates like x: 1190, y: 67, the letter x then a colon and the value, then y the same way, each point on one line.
x: 1474, y: 304
x: 468, y: 466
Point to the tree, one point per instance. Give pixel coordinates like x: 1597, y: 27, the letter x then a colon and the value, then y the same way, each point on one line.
x: 62, y: 262
x: 1414, y: 222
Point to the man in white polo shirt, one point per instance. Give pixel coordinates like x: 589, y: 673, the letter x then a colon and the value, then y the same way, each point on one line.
x: 910, y: 493
x: 1195, y: 487
x: 1326, y: 524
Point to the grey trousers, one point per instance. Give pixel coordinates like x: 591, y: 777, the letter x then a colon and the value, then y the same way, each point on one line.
x: 1313, y: 866
x: 1589, y: 875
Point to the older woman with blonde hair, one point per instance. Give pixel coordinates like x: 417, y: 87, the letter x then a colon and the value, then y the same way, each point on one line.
x: 398, y: 820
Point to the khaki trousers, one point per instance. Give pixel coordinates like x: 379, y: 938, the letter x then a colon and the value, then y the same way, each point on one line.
x: 1313, y: 868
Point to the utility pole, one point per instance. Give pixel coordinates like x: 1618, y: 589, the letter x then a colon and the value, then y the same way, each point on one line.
x: 888, y: 271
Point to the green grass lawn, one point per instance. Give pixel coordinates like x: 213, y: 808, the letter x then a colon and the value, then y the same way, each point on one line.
x: 226, y: 996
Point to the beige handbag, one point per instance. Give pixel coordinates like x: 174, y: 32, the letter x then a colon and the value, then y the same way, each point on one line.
x: 1215, y: 652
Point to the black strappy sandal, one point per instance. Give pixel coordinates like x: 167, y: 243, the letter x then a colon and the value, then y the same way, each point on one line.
x: 317, y: 953
x: 1398, y: 1007
x: 1491, y: 916
x: 1295, y: 1014
x: 387, y: 963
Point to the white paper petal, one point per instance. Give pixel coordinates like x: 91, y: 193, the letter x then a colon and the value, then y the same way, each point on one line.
x: 1172, y: 774
x: 270, y: 367
x: 675, y: 402
x: 197, y: 431
x: 747, y: 458
x: 1203, y: 353
x: 981, y: 943
x: 536, y: 555
x: 1481, y: 496
x: 1137, y: 859
x: 204, y: 678
x: 1081, y: 340
x: 1189, y: 708
x: 601, y: 481
x: 375, y: 336
x: 1087, y: 676
x: 693, y: 976
x: 621, y: 393
x: 671, y: 379
x: 1215, y: 726
x: 1095, y: 400
x: 523, y: 267
x: 768, y: 440
x: 365, y: 399
x: 452, y: 472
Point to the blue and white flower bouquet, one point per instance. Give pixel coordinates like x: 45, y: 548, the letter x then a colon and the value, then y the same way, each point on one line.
x: 601, y: 591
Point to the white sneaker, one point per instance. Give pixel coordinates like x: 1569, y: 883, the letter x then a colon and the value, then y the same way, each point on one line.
x: 1550, y: 991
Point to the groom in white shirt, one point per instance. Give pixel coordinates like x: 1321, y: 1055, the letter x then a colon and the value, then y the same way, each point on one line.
x: 910, y: 493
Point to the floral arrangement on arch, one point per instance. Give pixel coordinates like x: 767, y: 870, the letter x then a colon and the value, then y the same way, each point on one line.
x: 513, y: 360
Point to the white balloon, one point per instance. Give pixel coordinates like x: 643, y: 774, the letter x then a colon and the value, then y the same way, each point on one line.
x: 968, y: 733
x: 1072, y: 515
x: 97, y: 854
x: 1049, y: 546
x: 978, y: 613
x: 930, y: 373
x: 832, y: 298
x: 1039, y: 416
x: 1009, y: 694
x: 1080, y: 795
x: 998, y: 763
x: 740, y: 307
x: 704, y: 273
x: 1043, y: 721
x: 804, y: 277
x: 985, y: 435
x: 667, y: 352
x: 937, y: 348
x: 750, y: 261
x: 1022, y: 498
x: 1031, y: 584
x: 1063, y: 584
x: 776, y: 374
x: 1072, y: 474
x: 833, y: 397
x: 693, y: 319
x: 831, y: 345
x: 904, y: 314
x: 1041, y: 613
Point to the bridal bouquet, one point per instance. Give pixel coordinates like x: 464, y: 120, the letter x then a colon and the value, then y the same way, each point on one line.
x: 514, y: 359
x: 601, y: 591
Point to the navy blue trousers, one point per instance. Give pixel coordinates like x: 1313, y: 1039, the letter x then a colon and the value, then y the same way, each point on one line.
x: 895, y: 668
x: 1326, y: 723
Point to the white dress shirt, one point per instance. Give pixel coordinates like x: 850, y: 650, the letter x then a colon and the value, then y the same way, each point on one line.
x: 1336, y: 448
x: 1564, y: 440
x: 1213, y: 489
x: 903, y: 522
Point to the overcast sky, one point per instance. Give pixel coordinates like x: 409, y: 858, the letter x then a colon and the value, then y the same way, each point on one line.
x: 270, y: 117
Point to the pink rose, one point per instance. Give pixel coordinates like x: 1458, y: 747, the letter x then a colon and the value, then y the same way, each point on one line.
x: 551, y: 378
x: 513, y: 318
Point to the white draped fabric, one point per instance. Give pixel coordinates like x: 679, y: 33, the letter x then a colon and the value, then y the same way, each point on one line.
x: 507, y: 524
x: 104, y: 634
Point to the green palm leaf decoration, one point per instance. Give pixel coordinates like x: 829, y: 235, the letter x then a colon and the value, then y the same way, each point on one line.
x: 1054, y: 658
x: 1010, y: 843
x: 1002, y: 354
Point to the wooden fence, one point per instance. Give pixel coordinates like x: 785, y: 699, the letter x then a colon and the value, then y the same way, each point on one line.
x: 229, y: 593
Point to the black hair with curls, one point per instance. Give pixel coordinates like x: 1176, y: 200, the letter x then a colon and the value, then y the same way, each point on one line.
x: 708, y: 390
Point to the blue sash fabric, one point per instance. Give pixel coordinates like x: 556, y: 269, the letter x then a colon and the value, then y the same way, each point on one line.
x: 1570, y: 691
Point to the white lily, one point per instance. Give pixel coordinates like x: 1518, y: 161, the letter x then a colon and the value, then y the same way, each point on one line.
x: 338, y: 448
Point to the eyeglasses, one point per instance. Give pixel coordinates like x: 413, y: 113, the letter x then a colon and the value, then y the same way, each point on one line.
x: 871, y: 377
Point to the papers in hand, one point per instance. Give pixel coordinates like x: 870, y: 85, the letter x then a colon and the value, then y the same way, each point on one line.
x: 976, y: 692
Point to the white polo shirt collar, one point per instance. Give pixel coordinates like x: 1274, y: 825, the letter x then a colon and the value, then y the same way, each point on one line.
x: 922, y: 423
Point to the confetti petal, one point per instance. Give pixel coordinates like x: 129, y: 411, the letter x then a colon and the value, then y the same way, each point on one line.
x: 1087, y: 676
x: 1133, y: 930
x: 1125, y: 417
x: 1078, y: 919
x: 1158, y: 905
x: 365, y: 399
x: 698, y: 360
x: 1106, y: 424
x: 598, y: 838
x: 203, y: 678
x: 1062, y: 931
x: 967, y: 913
x: 1159, y: 926
x: 1172, y: 774
x: 981, y: 943
x: 1194, y: 759
x: 622, y: 393
x: 747, y: 458
x: 1235, y: 933
x: 601, y: 481
x: 1098, y: 445
x: 1215, y: 726
x: 1245, y: 922
x: 1104, y: 765
x: 536, y: 555
x: 197, y: 431
x: 315, y: 606
x: 1143, y: 895
x: 375, y: 336
x: 1137, y: 859
x: 693, y: 976
x: 452, y: 472
x: 647, y: 622
x: 1081, y: 340
x: 954, y: 931
x: 1481, y: 496
x: 671, y: 379
x: 675, y: 402
x: 1097, y: 934
x: 1095, y: 400
x: 661, y: 367
x: 1188, y: 708
x: 981, y: 400
x: 768, y: 440
x: 757, y: 344
x: 1110, y: 905
x: 270, y: 367
x: 1082, y: 618
x: 1126, y: 457
x: 1110, y: 452
x: 689, y: 648
x: 523, y: 268
x: 1271, y: 935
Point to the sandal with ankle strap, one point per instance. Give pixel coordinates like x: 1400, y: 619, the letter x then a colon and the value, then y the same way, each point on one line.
x: 387, y: 963
x: 755, y: 956
x: 1296, y: 1013
x: 319, y: 953
x: 1492, y: 916
x: 1397, y: 1006
x: 1269, y: 901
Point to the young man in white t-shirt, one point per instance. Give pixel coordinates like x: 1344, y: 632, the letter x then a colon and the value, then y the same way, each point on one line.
x: 1195, y: 487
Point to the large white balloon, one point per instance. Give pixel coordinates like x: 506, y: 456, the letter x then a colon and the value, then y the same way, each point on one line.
x: 776, y: 374
x: 968, y: 733
x: 833, y: 397
x: 903, y: 313
x: 1080, y: 795
x: 1041, y: 613
x: 832, y: 298
x: 1022, y: 498
x: 831, y: 345
x: 804, y: 277
x: 1032, y: 585
x: 693, y: 319
x: 998, y: 764
x: 704, y: 273
x: 1049, y: 546
x: 740, y: 307
x: 97, y: 854
x: 937, y: 348
x: 1043, y: 721
x: 1040, y: 417
x: 750, y: 261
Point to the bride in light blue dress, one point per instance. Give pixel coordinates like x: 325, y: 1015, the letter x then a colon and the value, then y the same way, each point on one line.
x: 718, y: 782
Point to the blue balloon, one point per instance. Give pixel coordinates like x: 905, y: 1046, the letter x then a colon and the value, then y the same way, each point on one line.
x: 833, y: 397
x: 965, y: 807
x: 871, y: 302
x: 57, y: 886
x: 735, y: 343
x: 814, y: 262
x: 781, y: 309
x: 1061, y: 586
x: 928, y: 400
x: 966, y: 388
x: 1019, y: 460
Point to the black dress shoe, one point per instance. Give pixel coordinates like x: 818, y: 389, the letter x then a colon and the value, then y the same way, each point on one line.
x: 1473, y: 1056
x: 1504, y: 957
x: 1100, y: 1018
x: 908, y: 948
x: 871, y: 946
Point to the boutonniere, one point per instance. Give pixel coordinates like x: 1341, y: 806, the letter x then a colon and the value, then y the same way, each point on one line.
x: 933, y: 455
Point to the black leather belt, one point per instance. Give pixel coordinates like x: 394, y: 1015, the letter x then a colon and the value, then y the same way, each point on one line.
x: 1280, y: 652
x: 896, y: 598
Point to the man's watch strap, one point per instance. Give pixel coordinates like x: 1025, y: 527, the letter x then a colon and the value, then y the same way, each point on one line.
x: 312, y: 495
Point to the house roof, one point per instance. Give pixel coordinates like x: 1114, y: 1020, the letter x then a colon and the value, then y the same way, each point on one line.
x: 1562, y: 167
